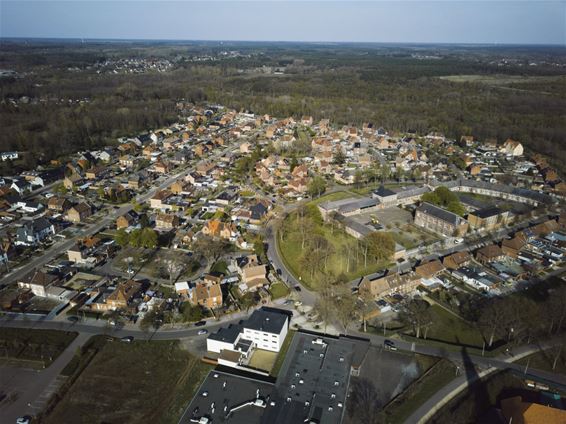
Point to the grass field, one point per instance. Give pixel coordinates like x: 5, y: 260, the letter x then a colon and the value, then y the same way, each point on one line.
x: 220, y: 266
x: 278, y: 290
x: 43, y: 346
x: 451, y: 329
x: 132, y: 383
x: 342, y: 245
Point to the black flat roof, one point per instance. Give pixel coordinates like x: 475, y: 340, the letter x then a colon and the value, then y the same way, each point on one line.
x: 269, y: 321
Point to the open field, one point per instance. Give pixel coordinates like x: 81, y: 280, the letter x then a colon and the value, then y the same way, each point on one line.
x: 43, y: 346
x: 449, y: 328
x: 131, y: 383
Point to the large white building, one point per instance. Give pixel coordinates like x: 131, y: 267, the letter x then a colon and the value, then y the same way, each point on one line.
x: 266, y: 329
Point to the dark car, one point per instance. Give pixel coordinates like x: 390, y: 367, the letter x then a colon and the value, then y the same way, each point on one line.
x: 298, y: 288
x: 73, y: 318
x: 200, y: 323
x: 389, y: 344
x: 278, y: 271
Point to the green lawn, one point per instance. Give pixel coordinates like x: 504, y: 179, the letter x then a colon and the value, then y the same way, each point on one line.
x: 132, y: 382
x: 42, y: 346
x: 331, y: 197
x: 451, y: 329
x: 278, y: 290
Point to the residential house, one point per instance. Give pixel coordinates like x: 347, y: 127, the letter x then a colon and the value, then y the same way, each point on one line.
x: 58, y: 204
x: 430, y: 269
x: 33, y: 232
x: 125, y: 221
x: 512, y: 147
x: 38, y: 282
x: 72, y: 181
x: 95, y: 172
x: 457, y: 260
x: 489, y: 253
x: 166, y: 221
x: 158, y: 200
x: 120, y: 298
x: 79, y: 212
x: 207, y: 294
x: 379, y: 285
x: 511, y: 247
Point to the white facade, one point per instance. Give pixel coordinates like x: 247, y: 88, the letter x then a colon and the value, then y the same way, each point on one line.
x: 264, y: 340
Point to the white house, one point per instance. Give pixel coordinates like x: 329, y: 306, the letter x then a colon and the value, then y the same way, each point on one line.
x: 266, y: 329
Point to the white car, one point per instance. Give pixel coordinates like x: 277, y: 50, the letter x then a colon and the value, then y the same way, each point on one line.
x: 23, y: 420
x: 201, y: 332
x: 458, y: 240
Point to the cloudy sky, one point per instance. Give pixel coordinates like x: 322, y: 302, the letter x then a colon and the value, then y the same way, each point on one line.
x: 479, y: 21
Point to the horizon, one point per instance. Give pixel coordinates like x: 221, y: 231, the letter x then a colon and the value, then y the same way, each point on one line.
x: 509, y: 22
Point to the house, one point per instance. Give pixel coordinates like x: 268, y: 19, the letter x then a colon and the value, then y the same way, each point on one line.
x: 120, y: 298
x: 515, y: 410
x: 166, y: 221
x: 72, y: 181
x: 38, y: 282
x: 379, y: 285
x: 206, y: 293
x: 488, y: 218
x: 512, y: 147
x: 125, y: 221
x: 258, y: 212
x: 265, y: 329
x: 95, y: 172
x: 158, y: 200
x: 9, y: 156
x: 79, y: 212
x: 20, y: 186
x: 216, y: 228
x: 298, y: 185
x: 511, y: 247
x: 429, y: 269
x: 161, y: 168
x: 58, y: 204
x: 439, y: 220
x: 252, y: 273
x: 457, y: 260
x: 33, y: 232
x: 127, y: 161
x: 489, y: 254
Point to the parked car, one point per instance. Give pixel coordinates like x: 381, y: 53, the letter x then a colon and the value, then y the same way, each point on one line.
x: 73, y: 318
x: 127, y: 339
x: 298, y: 288
x: 389, y: 345
x: 203, y: 331
x: 200, y: 323
x: 24, y: 420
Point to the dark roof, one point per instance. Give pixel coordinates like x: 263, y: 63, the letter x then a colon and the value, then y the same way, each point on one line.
x: 227, y: 334
x: 439, y: 213
x: 487, y: 212
x: 384, y: 192
x: 267, y: 321
x: 258, y: 210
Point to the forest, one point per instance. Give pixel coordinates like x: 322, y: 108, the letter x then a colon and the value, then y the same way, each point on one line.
x: 57, y: 102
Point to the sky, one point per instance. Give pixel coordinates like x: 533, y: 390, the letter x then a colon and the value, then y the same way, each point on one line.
x: 399, y: 21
